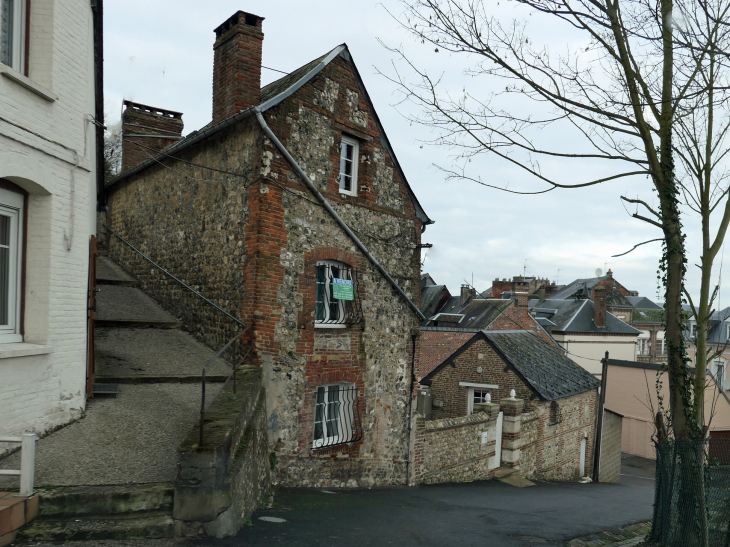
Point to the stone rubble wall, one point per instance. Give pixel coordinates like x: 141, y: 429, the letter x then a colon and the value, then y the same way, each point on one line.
x: 452, y: 449
x: 222, y: 482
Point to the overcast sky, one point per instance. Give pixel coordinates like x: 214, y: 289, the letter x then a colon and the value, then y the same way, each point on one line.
x: 160, y: 53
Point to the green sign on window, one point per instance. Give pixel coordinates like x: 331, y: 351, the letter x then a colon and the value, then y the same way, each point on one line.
x: 343, y: 289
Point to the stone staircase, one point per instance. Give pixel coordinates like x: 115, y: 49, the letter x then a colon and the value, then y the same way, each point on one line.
x: 110, y: 475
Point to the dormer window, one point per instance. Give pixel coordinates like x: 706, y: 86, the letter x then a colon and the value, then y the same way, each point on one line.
x: 349, y: 152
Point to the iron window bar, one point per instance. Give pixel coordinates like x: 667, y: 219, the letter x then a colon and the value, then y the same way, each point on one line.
x: 330, y: 310
x: 337, y: 416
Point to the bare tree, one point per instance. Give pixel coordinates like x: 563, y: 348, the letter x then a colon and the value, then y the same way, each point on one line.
x: 636, y: 91
x: 112, y: 154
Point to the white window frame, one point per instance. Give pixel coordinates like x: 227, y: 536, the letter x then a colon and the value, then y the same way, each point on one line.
x: 693, y: 330
x: 355, y: 160
x: 643, y: 343
x: 327, y: 323
x: 716, y: 364
x: 330, y: 437
x: 661, y: 343
x: 11, y: 205
x: 17, y: 61
x: 471, y: 388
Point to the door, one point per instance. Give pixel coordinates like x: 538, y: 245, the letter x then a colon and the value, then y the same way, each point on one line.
x: 90, y: 364
x: 498, y: 446
x: 583, y: 457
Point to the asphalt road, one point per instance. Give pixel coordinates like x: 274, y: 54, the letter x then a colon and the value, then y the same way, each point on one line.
x: 490, y: 514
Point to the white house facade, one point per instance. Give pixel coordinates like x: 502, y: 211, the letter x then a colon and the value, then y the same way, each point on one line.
x: 47, y: 210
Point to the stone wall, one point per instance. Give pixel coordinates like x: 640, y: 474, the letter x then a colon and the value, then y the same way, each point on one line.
x: 610, y: 467
x: 221, y: 483
x: 192, y: 222
x: 455, y: 449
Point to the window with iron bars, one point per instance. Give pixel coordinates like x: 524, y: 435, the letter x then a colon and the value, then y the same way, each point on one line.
x: 337, y: 301
x: 336, y: 417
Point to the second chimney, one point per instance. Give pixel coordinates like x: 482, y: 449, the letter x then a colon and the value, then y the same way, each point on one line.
x: 146, y: 130
x: 599, y: 305
x: 237, y: 65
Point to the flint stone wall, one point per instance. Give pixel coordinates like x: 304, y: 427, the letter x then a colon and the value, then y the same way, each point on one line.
x: 222, y: 482
x: 451, y: 449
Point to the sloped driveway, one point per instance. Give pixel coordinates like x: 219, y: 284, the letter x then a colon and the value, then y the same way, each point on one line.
x: 475, y: 514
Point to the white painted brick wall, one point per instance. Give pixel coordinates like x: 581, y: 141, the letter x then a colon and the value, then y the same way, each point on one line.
x: 40, y: 392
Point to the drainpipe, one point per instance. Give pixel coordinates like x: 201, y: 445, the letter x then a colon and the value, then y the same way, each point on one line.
x: 410, y: 408
x: 284, y: 152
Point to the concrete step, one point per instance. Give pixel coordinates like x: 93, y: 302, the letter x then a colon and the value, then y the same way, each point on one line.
x: 127, y: 355
x: 108, y: 272
x: 154, y: 525
x: 117, y: 305
x: 504, y: 472
x: 103, y: 500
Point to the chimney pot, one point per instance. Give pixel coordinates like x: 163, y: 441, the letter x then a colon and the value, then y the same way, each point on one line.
x: 237, y: 65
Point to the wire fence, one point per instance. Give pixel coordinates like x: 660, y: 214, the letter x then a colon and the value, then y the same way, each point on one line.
x: 692, y: 496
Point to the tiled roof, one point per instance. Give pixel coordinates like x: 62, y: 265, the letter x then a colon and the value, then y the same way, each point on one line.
x: 543, y: 366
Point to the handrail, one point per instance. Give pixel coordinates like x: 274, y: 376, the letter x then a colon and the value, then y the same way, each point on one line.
x: 188, y: 287
x: 27, y: 462
x: 233, y: 374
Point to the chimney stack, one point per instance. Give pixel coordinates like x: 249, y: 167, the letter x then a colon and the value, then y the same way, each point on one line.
x: 237, y: 65
x: 145, y: 131
x: 522, y: 299
x: 599, y: 305
x: 466, y: 293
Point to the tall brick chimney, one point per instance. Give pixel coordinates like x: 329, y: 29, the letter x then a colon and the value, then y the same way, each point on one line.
x: 237, y: 65
x: 522, y: 299
x: 599, y: 305
x: 146, y: 130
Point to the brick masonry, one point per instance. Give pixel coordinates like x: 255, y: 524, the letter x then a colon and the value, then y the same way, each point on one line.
x: 251, y: 242
x: 49, y: 153
x: 139, y: 120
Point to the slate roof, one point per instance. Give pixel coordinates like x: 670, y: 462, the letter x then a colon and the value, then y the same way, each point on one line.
x: 478, y: 313
x: 618, y: 300
x: 430, y: 297
x: 543, y: 367
x: 643, y: 302
x: 573, y: 315
x: 579, y: 285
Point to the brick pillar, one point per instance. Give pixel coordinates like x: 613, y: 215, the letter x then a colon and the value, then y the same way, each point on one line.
x: 419, y: 439
x: 522, y: 299
x: 511, y: 442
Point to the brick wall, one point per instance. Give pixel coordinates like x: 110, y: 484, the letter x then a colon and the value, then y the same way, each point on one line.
x: 40, y: 392
x: 138, y: 120
x: 252, y: 243
x: 610, y: 468
x: 435, y: 346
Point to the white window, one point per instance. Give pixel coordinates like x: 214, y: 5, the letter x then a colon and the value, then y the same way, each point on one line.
x: 12, y: 33
x: 718, y: 370
x: 329, y: 310
x: 693, y: 330
x: 477, y: 393
x: 11, y: 259
x: 335, y: 415
x: 349, y: 152
x: 643, y: 343
x: 661, y: 343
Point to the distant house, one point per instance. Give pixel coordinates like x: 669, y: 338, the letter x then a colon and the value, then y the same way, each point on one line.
x: 559, y: 412
x: 577, y: 317
x: 718, y: 344
x: 631, y: 392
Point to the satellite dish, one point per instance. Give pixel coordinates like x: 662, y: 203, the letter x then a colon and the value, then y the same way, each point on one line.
x: 599, y: 272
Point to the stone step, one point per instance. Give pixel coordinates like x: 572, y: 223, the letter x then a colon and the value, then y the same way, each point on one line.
x: 126, y: 355
x: 117, y: 305
x: 504, y: 472
x: 108, y: 272
x: 103, y: 500
x: 154, y: 525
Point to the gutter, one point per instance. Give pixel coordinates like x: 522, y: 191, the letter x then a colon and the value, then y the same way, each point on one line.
x: 359, y: 244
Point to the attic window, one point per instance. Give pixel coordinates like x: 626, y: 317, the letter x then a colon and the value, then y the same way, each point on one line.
x: 555, y: 416
x: 349, y: 152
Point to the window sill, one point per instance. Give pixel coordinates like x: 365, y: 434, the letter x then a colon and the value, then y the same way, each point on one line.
x: 21, y: 349
x: 27, y: 83
x: 346, y: 193
x: 329, y: 326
